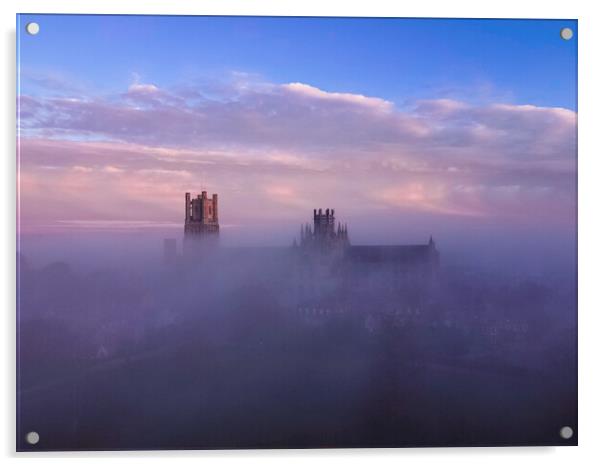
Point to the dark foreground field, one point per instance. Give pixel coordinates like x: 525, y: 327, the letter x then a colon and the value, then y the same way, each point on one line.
x: 270, y: 393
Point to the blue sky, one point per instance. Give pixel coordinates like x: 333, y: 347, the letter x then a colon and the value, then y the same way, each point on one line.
x: 396, y: 59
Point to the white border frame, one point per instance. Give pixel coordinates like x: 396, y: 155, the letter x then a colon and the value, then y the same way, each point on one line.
x: 590, y: 234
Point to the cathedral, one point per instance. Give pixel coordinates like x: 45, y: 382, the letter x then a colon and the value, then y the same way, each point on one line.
x: 322, y: 272
x: 324, y: 238
x: 333, y: 275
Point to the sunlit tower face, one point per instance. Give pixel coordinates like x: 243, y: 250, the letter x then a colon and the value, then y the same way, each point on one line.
x: 201, y: 221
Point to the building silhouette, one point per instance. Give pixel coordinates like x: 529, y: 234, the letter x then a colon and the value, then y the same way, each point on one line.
x: 332, y: 273
x: 323, y: 272
x: 322, y: 257
x: 323, y: 238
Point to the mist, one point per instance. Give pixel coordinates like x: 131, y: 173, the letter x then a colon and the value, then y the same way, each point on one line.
x: 260, y: 345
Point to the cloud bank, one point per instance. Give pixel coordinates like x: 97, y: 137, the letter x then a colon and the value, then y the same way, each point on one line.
x: 275, y: 151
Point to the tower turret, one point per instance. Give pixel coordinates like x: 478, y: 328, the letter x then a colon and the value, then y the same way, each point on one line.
x: 201, y: 225
x: 323, y: 234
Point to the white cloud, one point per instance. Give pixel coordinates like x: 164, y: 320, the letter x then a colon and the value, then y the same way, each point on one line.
x: 305, y: 90
x: 143, y: 88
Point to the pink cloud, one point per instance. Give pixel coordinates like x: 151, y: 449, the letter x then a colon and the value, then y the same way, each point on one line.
x: 288, y: 147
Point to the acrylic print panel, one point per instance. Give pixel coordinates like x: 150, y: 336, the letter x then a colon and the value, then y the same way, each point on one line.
x: 249, y: 232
